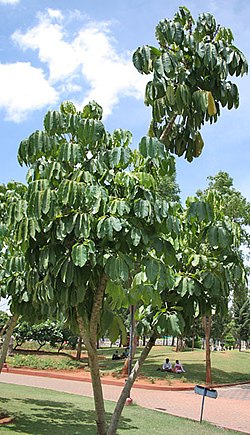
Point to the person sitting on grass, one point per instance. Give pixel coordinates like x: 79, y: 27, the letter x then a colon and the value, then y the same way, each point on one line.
x: 178, y: 368
x: 116, y: 355
x: 167, y: 366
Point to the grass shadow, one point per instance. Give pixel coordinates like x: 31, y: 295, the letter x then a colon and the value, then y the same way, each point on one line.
x: 53, y: 417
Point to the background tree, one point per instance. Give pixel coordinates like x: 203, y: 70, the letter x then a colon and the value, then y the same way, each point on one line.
x: 208, y: 261
x: 12, y: 275
x: 241, y: 310
x: 233, y: 203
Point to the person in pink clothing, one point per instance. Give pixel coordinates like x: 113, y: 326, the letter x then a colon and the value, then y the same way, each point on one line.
x: 178, y: 368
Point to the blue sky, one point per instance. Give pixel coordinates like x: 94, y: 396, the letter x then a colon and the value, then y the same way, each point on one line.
x: 51, y: 51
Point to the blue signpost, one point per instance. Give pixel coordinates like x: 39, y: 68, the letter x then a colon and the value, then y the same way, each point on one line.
x: 204, y: 391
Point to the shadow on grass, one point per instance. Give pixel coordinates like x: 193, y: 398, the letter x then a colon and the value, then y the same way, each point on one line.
x: 52, y: 417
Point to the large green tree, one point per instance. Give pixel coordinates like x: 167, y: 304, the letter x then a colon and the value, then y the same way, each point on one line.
x: 95, y: 228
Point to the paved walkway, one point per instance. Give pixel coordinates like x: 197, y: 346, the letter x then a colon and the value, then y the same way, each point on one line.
x: 230, y: 410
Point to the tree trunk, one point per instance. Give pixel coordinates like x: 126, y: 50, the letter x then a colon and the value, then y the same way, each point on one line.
x: 98, y: 394
x: 207, y: 320
x: 177, y: 345
x: 132, y: 339
x: 9, y: 332
x: 90, y: 344
x: 88, y: 328
x: 193, y: 342
x: 79, y: 348
x: 126, y: 390
x: 5, y: 327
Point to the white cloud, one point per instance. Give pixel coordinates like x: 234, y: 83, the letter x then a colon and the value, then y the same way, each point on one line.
x: 88, y: 61
x: 23, y: 89
x: 9, y: 2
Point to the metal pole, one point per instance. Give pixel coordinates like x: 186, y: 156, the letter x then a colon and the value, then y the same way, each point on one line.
x: 202, y: 404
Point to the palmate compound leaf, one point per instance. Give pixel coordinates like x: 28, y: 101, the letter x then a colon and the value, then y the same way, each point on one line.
x: 117, y: 269
x: 38, y: 144
x: 188, y: 286
x: 80, y: 254
x: 151, y: 147
x: 14, y: 265
x: 200, y: 210
x: 143, y: 59
x: 119, y: 206
x: 122, y: 137
x: 119, y: 157
x: 54, y: 122
x: 142, y: 208
x: 168, y: 323
x: 106, y: 227
x: 145, y: 180
x: 117, y: 295
x: 71, y: 153
x: 90, y: 131
x: 219, y: 237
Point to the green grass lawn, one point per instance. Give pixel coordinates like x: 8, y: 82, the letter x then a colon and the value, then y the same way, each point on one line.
x: 39, y: 411
x: 227, y: 367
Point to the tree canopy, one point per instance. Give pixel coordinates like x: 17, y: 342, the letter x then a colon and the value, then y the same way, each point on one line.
x: 96, y: 232
x: 190, y: 85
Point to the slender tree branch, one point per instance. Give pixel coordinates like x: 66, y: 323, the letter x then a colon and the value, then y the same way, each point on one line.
x: 129, y: 383
x: 9, y: 332
x: 167, y: 129
x: 95, y: 313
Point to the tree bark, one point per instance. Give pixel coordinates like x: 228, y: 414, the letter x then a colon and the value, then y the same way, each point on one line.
x: 5, y: 327
x: 127, y: 388
x: 79, y: 348
x: 98, y: 394
x: 9, y: 332
x: 88, y: 330
x: 207, y: 320
x: 167, y: 129
x: 192, y: 342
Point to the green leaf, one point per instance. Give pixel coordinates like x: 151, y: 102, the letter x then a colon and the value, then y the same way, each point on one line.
x: 142, y: 208
x: 152, y: 269
x: 151, y: 147
x: 90, y: 131
x: 54, y: 122
x: 117, y: 269
x: 136, y: 236
x: 107, y: 226
x: 142, y: 59
x: 79, y: 255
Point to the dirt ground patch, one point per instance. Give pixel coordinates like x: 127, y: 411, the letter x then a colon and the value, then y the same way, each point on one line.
x: 107, y: 378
